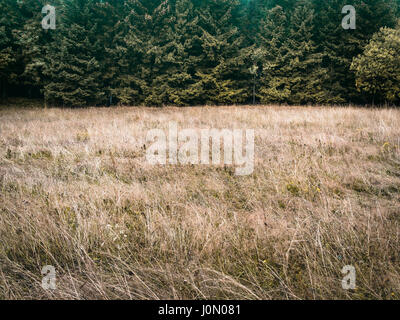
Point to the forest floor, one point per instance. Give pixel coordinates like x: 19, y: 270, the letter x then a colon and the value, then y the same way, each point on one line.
x: 77, y: 193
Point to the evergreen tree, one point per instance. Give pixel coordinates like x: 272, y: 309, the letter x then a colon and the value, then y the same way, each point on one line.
x: 33, y: 42
x: 185, y: 52
x: 73, y: 72
x: 179, y: 50
x: 252, y: 13
x: 304, y: 76
x: 8, y: 44
x: 109, y: 32
x: 377, y: 69
x: 222, y: 75
x: 339, y: 46
x: 272, y: 36
x: 141, y: 53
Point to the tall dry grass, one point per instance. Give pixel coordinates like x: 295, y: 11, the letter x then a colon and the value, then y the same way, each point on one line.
x: 77, y: 193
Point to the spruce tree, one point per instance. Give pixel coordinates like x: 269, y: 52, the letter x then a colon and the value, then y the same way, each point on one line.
x: 179, y: 54
x: 272, y: 37
x: 72, y: 70
x: 302, y: 68
x: 109, y: 31
x: 184, y: 52
x: 8, y: 45
x: 339, y: 46
x: 252, y: 13
x: 33, y: 42
x: 141, y: 53
x: 222, y: 75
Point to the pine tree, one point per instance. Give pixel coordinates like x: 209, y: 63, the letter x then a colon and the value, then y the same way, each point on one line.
x: 73, y: 72
x: 222, y: 75
x: 109, y: 32
x: 33, y: 42
x: 179, y: 53
x: 141, y: 52
x: 339, y: 46
x: 305, y: 76
x: 8, y: 44
x: 272, y: 37
x: 182, y: 52
x: 252, y: 13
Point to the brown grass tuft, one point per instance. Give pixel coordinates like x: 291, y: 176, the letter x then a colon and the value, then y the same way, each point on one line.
x: 76, y: 193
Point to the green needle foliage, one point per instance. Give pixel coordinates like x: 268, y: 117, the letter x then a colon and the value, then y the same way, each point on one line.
x: 377, y: 69
x: 193, y: 52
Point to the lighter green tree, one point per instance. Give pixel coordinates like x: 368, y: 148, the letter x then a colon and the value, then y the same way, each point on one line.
x: 377, y: 69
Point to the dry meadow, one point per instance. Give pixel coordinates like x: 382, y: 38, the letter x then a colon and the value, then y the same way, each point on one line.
x: 76, y: 192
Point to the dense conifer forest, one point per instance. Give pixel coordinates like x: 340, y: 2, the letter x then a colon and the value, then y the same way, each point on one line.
x: 196, y: 52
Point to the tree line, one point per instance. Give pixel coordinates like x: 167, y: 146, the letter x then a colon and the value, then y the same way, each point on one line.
x: 196, y: 52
